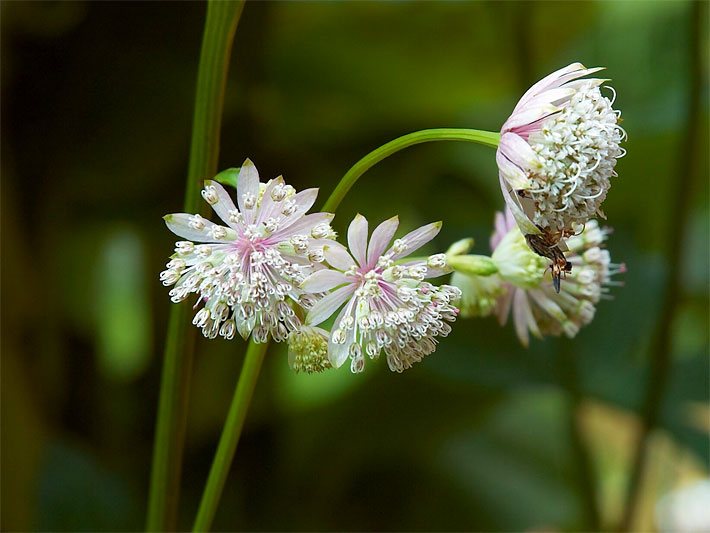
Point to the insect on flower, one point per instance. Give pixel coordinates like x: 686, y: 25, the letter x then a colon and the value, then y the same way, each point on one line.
x: 550, y: 247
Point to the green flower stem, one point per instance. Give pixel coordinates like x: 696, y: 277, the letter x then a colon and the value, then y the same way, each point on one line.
x: 486, y: 138
x: 221, y: 23
x: 230, y: 435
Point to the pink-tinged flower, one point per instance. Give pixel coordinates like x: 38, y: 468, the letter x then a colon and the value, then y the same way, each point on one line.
x: 247, y: 273
x: 558, y: 151
x: 388, y: 305
x: 536, y: 307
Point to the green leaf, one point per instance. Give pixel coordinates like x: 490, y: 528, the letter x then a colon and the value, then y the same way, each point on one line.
x: 228, y: 177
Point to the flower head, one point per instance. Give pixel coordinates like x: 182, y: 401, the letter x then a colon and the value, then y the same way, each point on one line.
x: 247, y: 272
x: 537, y: 308
x: 308, y: 350
x: 388, y: 305
x: 557, y: 152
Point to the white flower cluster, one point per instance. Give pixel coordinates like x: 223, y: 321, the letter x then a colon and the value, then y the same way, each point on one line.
x: 272, y: 271
x: 388, y: 305
x: 558, y: 151
x: 523, y: 284
x: 247, y: 274
x: 271, y: 263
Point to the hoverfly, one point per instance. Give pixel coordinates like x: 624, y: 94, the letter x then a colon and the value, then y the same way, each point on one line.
x: 547, y: 245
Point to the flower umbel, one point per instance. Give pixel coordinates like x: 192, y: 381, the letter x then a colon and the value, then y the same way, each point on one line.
x: 557, y: 152
x: 536, y: 306
x: 248, y: 272
x: 388, y: 306
x: 308, y: 350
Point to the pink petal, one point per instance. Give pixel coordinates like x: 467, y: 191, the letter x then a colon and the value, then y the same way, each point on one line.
x: 324, y: 280
x: 503, y: 305
x: 517, y: 151
x: 224, y: 203
x: 326, y: 306
x: 417, y: 238
x: 521, y: 312
x: 338, y: 257
x: 381, y: 237
x: 500, y: 231
x: 357, y: 239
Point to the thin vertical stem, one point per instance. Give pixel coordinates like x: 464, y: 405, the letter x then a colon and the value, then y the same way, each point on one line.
x: 230, y: 435
x: 220, y: 25
x: 678, y: 218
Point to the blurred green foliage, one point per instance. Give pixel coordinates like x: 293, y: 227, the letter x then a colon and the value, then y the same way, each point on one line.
x: 96, y: 111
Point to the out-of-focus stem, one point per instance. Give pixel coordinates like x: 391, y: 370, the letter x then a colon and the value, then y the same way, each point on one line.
x: 678, y: 212
x: 486, y: 138
x: 220, y: 25
x: 582, y: 460
x: 230, y: 435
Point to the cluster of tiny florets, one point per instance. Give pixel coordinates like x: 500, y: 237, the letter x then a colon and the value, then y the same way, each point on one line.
x: 576, y: 151
x: 246, y: 275
x: 537, y: 308
x: 308, y: 350
x: 394, y: 310
x: 557, y: 153
x: 387, y: 305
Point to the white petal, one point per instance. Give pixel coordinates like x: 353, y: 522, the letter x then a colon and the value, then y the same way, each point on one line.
x: 430, y: 272
x: 556, y: 79
x: 324, y: 280
x: 548, y: 305
x: 337, y: 256
x: 302, y: 226
x: 521, y: 310
x: 513, y: 203
x: 247, y: 183
x: 555, y: 97
x: 381, y: 237
x: 528, y: 115
x: 418, y: 238
x: 326, y: 306
x: 513, y: 174
x: 224, y: 203
x: 304, y: 201
x: 179, y: 224
x: 268, y: 207
x: 357, y: 239
x: 338, y: 353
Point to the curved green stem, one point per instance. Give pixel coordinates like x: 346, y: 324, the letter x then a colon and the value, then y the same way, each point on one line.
x: 221, y: 23
x: 230, y: 435
x: 486, y: 138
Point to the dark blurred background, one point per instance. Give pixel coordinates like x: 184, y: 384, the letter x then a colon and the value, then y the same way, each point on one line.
x: 485, y: 435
